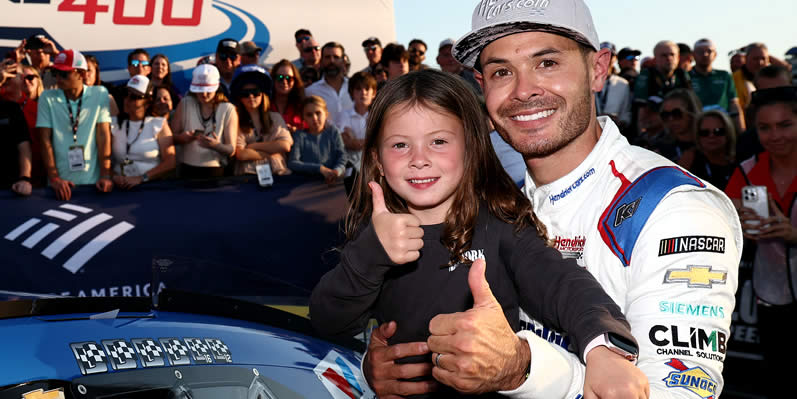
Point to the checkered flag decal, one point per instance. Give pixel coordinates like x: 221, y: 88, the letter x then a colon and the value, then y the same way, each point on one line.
x: 90, y: 357
x: 122, y: 354
x: 176, y: 351
x: 150, y: 353
x: 219, y: 350
x: 199, y: 350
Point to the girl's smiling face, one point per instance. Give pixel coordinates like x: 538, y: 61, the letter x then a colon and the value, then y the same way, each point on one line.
x: 421, y: 153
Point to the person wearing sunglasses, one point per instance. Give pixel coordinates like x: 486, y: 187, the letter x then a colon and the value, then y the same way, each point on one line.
x: 713, y: 158
x: 310, y: 57
x: 372, y: 47
x: 288, y: 94
x: 143, y: 147
x: 205, y: 126
x: 417, y: 50
x: 74, y: 125
x: 228, y: 58
x: 263, y: 136
x: 628, y: 61
x: 32, y: 89
x: 774, y: 114
x: 301, y: 36
x: 679, y: 113
x: 138, y: 63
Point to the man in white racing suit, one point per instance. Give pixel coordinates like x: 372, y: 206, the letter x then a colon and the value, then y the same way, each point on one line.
x: 664, y: 245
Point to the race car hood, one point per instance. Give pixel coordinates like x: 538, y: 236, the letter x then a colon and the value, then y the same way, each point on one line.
x: 132, y: 344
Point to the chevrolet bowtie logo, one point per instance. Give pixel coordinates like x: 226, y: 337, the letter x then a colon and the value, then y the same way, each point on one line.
x: 696, y: 276
x: 42, y: 394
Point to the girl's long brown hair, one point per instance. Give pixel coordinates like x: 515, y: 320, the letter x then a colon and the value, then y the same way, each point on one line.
x: 484, y: 180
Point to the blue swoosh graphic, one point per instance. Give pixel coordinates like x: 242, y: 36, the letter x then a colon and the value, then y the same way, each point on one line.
x: 117, y: 59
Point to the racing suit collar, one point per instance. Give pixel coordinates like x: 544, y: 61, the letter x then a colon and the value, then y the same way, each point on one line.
x: 562, y: 191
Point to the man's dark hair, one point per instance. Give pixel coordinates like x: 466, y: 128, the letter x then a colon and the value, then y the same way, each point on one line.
x: 394, y: 52
x: 418, y: 41
x: 773, y: 72
x: 135, y: 53
x: 302, y: 32
x: 361, y: 80
x: 684, y: 48
x: 333, y: 45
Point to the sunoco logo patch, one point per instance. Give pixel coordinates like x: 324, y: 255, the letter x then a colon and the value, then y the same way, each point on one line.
x: 695, y: 379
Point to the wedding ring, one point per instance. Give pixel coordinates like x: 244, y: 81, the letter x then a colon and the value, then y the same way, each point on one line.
x: 437, y: 359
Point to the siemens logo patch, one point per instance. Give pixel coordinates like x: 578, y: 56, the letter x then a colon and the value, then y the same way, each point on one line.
x: 692, y: 309
x: 576, y: 184
x: 687, y: 244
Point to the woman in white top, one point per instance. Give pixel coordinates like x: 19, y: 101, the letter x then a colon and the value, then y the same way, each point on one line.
x: 206, y: 127
x: 262, y: 135
x: 142, y: 146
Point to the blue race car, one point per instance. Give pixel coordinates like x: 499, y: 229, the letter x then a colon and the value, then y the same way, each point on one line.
x: 179, y: 345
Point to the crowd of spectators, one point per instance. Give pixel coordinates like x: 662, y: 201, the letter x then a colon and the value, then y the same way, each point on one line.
x: 69, y: 126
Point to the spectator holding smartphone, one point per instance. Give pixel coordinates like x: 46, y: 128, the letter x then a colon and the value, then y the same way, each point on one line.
x: 775, y: 264
x: 143, y: 148
x: 74, y: 125
x: 208, y: 127
x: 318, y: 150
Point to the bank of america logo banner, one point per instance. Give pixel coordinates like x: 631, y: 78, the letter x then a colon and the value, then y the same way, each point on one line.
x: 75, y: 222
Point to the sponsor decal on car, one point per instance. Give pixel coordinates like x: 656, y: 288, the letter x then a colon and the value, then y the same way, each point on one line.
x: 122, y: 354
x: 697, y: 342
x: 694, y: 379
x: 688, y: 244
x: 696, y: 276
x: 341, y: 378
x: 57, y: 393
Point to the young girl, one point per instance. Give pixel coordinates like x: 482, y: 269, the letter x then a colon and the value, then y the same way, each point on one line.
x: 317, y: 150
x: 447, y: 202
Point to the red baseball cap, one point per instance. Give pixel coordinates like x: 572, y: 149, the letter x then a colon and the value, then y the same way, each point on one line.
x: 68, y: 60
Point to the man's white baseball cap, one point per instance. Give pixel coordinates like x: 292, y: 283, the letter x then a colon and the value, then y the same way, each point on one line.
x: 494, y: 19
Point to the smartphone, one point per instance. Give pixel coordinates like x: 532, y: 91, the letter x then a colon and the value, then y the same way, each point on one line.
x: 199, y: 132
x: 755, y: 198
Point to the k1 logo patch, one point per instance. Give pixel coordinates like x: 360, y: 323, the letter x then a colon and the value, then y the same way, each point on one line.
x: 626, y: 211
